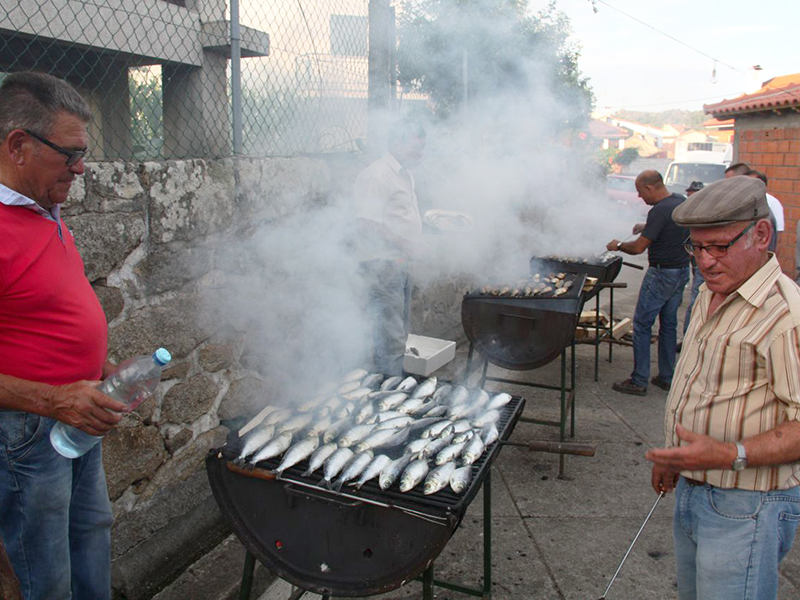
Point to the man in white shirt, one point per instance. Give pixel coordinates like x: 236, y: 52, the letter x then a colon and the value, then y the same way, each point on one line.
x: 775, y: 207
x: 390, y: 232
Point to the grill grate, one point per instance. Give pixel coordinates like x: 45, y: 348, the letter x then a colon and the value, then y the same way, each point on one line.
x: 435, y: 505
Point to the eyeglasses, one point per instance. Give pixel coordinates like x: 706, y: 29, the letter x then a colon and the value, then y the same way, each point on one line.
x: 714, y: 250
x: 73, y: 156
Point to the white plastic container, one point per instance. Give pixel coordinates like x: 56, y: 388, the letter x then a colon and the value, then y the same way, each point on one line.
x: 433, y: 354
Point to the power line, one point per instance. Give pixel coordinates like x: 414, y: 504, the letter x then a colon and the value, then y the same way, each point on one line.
x: 721, y: 96
x: 673, y: 38
x: 667, y: 35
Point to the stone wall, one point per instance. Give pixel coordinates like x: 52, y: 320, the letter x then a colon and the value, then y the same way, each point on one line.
x: 155, y: 238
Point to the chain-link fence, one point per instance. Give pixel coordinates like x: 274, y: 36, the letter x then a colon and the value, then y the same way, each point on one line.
x: 157, y: 73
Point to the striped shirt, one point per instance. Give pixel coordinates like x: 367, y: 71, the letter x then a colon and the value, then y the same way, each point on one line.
x: 739, y: 374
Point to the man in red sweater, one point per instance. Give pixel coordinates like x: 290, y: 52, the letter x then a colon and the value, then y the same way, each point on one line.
x: 55, y: 516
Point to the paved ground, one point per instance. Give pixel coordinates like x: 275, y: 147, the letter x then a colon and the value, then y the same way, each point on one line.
x: 563, y: 538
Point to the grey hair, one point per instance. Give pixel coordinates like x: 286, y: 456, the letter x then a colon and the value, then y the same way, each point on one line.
x: 30, y: 100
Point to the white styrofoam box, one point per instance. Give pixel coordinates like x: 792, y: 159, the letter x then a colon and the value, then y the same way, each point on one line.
x: 433, y: 354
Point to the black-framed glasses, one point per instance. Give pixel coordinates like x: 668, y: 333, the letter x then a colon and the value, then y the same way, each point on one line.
x: 714, y: 250
x: 73, y: 156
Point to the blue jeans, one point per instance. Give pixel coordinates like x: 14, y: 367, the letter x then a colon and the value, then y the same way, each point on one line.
x: 55, y: 516
x: 728, y: 543
x: 697, y: 281
x: 660, y: 296
x: 389, y: 311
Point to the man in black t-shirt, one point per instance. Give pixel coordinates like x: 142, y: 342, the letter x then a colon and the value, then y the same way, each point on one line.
x: 662, y: 286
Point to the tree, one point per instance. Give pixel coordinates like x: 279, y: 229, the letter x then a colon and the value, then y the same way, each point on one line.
x: 508, y: 52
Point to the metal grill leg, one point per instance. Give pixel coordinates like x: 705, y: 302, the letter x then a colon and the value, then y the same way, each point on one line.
x: 572, y: 391
x: 611, y: 317
x: 427, y: 583
x: 597, y: 333
x: 562, y: 427
x: 487, y: 535
x: 247, y: 576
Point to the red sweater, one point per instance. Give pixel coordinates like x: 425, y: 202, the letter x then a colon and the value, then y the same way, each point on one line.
x: 52, y: 327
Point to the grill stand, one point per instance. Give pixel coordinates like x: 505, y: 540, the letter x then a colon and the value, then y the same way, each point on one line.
x: 602, y: 333
x: 567, y: 394
x: 428, y: 581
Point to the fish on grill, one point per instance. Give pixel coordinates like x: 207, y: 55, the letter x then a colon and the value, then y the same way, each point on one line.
x: 257, y: 438
x: 413, y: 474
x: 378, y: 433
x: 439, y: 478
x: 319, y: 457
x: 373, y: 469
x: 355, y: 434
x: 425, y: 389
x: 391, y: 383
x: 459, y: 480
x: 392, y: 471
x: 274, y: 447
x: 473, y: 450
x: 300, y: 451
x: 354, y: 468
x: 335, y: 463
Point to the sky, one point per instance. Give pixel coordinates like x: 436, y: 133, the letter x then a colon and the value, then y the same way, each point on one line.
x: 632, y: 66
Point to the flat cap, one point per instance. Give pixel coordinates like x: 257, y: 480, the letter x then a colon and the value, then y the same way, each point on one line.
x: 695, y: 186
x: 724, y: 202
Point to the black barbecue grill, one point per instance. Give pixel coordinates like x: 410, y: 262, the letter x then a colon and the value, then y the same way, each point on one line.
x: 522, y: 333
x: 351, y: 543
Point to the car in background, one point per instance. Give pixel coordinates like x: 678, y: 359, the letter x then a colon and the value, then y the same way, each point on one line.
x: 622, y: 189
x: 681, y: 174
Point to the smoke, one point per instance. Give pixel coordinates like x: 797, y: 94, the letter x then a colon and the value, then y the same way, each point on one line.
x: 510, y: 158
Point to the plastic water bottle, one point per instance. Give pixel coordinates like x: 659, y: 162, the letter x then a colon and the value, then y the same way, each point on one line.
x: 132, y: 383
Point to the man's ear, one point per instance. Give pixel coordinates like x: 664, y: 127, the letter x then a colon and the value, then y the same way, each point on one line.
x: 15, y: 144
x: 764, y: 232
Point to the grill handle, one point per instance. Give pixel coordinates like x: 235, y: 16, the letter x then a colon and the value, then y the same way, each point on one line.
x: 555, y: 447
x: 635, y: 266
x: 526, y: 317
x: 331, y: 497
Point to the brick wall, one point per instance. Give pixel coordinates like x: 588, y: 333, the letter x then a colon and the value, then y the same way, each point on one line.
x: 772, y: 144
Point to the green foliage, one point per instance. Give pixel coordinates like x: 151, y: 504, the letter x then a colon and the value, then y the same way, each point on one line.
x: 508, y: 51
x: 626, y: 156
x: 147, y: 129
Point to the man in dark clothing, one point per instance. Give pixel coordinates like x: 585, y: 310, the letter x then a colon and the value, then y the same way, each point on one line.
x: 662, y: 286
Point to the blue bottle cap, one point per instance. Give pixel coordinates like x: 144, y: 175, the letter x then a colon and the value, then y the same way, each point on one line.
x: 162, y: 356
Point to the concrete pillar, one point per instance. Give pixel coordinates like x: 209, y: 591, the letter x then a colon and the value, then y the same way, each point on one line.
x: 382, y: 44
x: 110, y: 101
x: 196, y: 115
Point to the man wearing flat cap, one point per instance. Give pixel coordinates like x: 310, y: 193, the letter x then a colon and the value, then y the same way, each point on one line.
x: 732, y: 421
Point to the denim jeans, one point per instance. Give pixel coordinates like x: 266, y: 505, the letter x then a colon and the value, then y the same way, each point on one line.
x: 55, y: 516
x: 728, y: 543
x: 697, y: 281
x: 389, y: 311
x: 660, y: 296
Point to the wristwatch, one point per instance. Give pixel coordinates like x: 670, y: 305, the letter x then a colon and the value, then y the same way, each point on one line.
x: 740, y: 462
x: 619, y: 245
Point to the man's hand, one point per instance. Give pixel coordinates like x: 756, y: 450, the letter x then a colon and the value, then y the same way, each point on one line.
x: 663, y: 479
x: 702, y: 453
x: 81, y: 405
x: 612, y: 245
x: 638, y: 228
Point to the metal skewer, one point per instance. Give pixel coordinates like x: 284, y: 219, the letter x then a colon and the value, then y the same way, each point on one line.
x: 624, y: 558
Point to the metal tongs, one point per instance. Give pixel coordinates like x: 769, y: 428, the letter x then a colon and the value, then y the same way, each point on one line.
x: 624, y: 558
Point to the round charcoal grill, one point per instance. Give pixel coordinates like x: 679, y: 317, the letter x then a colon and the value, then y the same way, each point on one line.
x: 351, y: 543
x: 522, y: 333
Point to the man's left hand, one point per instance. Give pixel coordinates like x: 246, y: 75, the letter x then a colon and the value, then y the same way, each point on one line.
x: 702, y: 453
x: 612, y: 246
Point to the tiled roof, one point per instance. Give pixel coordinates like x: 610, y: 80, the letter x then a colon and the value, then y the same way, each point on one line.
x: 777, y: 93
x: 606, y: 131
